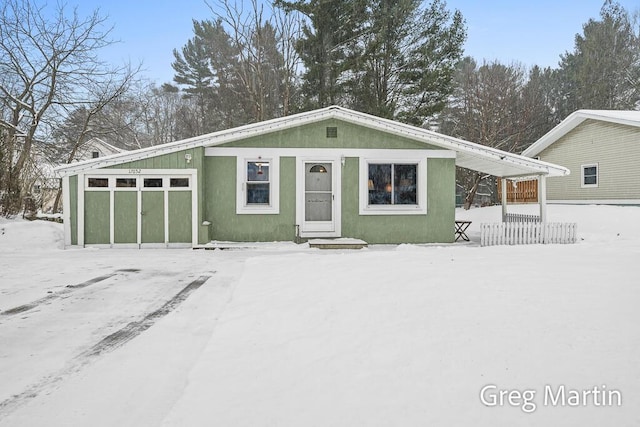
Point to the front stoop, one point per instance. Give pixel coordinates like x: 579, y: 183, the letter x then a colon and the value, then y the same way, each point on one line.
x: 343, y: 243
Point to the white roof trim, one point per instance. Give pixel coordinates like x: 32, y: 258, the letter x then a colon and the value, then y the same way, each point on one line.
x: 470, y: 155
x: 630, y: 118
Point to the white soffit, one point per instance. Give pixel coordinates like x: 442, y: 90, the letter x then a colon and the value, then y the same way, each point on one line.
x: 468, y: 154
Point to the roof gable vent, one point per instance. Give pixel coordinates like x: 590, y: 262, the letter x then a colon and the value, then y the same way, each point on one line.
x: 332, y: 132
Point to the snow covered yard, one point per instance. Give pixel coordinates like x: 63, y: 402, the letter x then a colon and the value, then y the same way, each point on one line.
x: 284, y: 335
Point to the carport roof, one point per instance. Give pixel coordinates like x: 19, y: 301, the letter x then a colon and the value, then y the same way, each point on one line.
x: 468, y: 154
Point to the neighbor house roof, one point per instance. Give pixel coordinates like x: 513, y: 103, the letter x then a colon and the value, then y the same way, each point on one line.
x: 468, y: 154
x: 630, y: 118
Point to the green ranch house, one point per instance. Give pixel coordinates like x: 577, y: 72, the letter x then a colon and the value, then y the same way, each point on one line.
x: 327, y: 173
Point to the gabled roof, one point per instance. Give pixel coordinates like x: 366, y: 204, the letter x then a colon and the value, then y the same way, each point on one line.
x: 630, y: 118
x: 468, y: 154
x: 95, y: 141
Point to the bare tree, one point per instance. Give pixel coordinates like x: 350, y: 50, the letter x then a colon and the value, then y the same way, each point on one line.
x: 48, y: 67
x: 488, y: 107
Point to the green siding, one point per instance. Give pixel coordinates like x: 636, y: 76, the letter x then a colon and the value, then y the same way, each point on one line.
x: 436, y: 226
x: 125, y: 227
x: 314, y: 136
x: 177, y: 161
x: 152, y: 217
x: 167, y: 161
x: 96, y: 217
x: 73, y: 190
x: 221, y: 205
x: 179, y: 216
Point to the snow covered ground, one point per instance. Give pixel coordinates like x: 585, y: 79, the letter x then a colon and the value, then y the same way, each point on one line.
x: 285, y: 335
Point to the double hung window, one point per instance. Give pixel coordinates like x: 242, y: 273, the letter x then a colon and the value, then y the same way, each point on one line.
x: 590, y: 175
x: 258, y: 186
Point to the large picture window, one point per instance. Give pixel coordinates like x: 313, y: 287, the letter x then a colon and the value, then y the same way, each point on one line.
x: 258, y: 186
x: 392, y: 184
x: 392, y: 187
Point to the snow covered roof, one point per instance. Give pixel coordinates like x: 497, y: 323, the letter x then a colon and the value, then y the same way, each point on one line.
x: 468, y: 154
x: 631, y: 118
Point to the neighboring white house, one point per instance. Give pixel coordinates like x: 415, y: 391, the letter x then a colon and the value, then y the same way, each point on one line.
x: 46, y: 184
x: 601, y: 148
x: 94, y: 148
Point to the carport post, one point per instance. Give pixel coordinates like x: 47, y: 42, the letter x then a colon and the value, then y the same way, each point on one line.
x: 542, y: 197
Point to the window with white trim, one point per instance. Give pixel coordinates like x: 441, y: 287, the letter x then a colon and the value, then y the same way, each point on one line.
x: 393, y: 187
x: 589, y: 175
x: 258, y: 186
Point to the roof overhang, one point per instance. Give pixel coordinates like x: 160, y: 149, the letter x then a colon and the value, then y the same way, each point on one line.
x: 630, y: 118
x: 468, y: 154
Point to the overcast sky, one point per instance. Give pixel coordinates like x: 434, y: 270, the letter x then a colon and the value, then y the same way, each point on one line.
x: 528, y: 32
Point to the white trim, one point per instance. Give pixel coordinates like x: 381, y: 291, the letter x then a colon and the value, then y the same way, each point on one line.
x: 66, y: 210
x: 589, y: 165
x: 421, y: 192
x: 123, y: 173
x: 80, y: 219
x: 470, y: 155
x: 140, y: 174
x: 274, y: 185
x: 139, y: 211
x: 305, y: 229
x: 327, y: 152
x: 596, y: 202
x: 195, y: 225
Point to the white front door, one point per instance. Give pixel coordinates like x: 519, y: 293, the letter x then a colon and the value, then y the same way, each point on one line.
x: 318, y: 198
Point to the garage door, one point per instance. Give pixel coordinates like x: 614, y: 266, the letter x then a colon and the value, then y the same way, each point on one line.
x: 146, y: 210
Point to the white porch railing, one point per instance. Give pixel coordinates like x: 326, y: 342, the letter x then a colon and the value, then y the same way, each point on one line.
x: 527, y: 233
x: 514, y: 217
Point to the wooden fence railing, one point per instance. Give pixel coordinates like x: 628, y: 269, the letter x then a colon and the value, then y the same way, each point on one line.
x: 527, y: 233
x: 520, y: 191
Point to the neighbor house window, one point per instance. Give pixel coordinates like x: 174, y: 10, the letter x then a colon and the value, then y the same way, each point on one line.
x: 393, y: 187
x: 95, y: 154
x: 258, y: 188
x: 590, y: 175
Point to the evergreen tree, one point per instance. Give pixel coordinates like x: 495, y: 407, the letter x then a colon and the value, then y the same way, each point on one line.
x: 603, y: 71
x: 329, y: 36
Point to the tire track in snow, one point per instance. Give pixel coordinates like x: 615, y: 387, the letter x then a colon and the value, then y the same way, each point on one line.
x: 67, y: 290
x: 106, y: 345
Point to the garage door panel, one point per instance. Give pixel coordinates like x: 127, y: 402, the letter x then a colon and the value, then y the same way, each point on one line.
x: 152, y: 217
x: 96, y: 217
x: 180, y: 226
x: 125, y: 217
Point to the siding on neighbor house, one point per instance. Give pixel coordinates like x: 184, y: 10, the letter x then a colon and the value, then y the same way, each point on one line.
x: 616, y: 150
